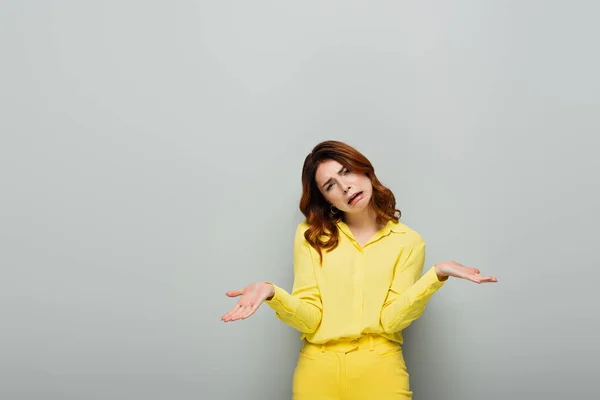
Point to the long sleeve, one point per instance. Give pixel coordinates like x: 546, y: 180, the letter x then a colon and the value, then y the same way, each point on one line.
x: 302, y: 309
x: 409, y: 292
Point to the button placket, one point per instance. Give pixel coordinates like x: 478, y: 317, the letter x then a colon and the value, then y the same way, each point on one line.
x: 359, y: 289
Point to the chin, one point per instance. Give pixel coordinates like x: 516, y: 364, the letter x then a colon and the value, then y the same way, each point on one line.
x: 355, y: 210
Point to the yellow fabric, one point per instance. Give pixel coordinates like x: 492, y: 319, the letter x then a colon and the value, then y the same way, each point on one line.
x: 369, y: 368
x: 375, y: 288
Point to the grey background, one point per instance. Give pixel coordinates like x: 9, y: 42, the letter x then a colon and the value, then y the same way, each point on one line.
x: 150, y: 161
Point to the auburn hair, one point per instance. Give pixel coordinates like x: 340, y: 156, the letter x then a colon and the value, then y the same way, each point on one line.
x: 322, y: 233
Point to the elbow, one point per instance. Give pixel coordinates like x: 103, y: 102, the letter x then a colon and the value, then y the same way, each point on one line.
x: 399, y: 323
x: 392, y: 323
x: 386, y: 326
x: 389, y: 318
x: 309, y: 330
x: 386, y: 322
x: 314, y: 324
x: 311, y: 324
x: 390, y: 327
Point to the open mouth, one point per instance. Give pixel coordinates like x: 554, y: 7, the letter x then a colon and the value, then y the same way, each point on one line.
x: 354, y: 197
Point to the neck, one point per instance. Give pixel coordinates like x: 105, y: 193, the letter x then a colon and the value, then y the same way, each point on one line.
x: 363, y: 220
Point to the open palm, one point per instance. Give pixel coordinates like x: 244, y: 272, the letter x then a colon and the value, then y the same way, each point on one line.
x: 457, y: 270
x: 253, y: 296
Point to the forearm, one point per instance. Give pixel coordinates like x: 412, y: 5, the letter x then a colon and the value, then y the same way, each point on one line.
x: 300, y: 312
x: 401, y: 309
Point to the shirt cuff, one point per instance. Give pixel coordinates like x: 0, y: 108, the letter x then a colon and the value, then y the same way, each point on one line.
x: 429, y: 281
x: 277, y: 293
x: 278, y: 301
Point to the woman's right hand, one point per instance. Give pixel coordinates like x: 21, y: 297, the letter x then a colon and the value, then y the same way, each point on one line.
x: 253, y: 296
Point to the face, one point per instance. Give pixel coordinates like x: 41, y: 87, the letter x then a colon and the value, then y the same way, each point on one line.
x: 347, y: 191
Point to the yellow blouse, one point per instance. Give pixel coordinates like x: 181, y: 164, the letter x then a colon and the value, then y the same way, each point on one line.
x: 375, y: 288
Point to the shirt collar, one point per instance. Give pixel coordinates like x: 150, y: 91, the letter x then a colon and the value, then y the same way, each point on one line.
x: 397, y: 227
x: 390, y: 227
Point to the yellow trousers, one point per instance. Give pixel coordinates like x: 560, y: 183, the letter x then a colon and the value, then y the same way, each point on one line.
x: 369, y: 368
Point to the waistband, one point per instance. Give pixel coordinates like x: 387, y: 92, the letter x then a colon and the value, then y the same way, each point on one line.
x: 368, y: 341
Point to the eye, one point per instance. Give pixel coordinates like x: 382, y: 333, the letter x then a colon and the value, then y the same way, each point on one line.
x: 329, y: 187
x: 346, y: 171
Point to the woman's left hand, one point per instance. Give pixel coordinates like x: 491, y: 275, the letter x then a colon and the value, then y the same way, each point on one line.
x: 452, y: 268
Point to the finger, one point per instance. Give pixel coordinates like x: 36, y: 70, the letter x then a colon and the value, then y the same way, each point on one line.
x: 251, y: 311
x: 228, y: 316
x: 482, y: 279
x: 234, y: 293
x: 471, y: 270
x: 225, y: 317
x: 244, y: 313
x: 472, y: 277
x: 236, y: 314
x: 233, y: 316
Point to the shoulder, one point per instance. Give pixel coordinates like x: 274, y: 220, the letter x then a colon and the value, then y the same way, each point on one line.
x: 409, y: 235
x: 301, y: 228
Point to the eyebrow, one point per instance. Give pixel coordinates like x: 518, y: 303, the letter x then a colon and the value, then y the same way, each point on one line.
x: 330, y: 179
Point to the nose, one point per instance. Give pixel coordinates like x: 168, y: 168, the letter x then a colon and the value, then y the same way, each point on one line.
x: 346, y: 190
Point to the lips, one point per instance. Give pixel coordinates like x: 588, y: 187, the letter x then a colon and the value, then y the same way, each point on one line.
x: 354, y: 197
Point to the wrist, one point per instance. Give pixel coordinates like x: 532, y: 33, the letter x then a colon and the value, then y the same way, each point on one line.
x: 440, y: 273
x: 271, y: 291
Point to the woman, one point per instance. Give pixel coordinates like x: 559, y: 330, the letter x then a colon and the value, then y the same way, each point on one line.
x: 357, y: 282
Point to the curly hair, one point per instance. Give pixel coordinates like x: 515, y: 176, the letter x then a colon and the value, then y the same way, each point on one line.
x: 322, y: 233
